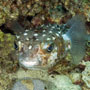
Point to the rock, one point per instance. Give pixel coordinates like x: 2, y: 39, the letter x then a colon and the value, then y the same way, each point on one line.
x: 63, y: 82
x: 33, y: 84
x: 86, y: 74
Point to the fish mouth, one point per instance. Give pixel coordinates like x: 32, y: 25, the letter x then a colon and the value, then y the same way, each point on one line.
x: 30, y: 58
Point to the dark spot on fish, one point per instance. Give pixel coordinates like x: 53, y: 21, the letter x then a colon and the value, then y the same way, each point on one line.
x: 34, y: 38
x: 36, y: 31
x: 58, y: 26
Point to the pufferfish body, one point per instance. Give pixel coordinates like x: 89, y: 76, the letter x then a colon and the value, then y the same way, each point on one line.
x: 41, y: 47
x: 44, y: 46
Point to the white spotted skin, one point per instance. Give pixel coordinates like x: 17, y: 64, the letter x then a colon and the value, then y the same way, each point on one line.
x: 50, y: 32
x: 39, y: 49
x: 34, y: 47
x: 44, y: 35
x: 25, y: 34
x: 49, y: 40
x: 44, y: 30
x: 36, y: 34
x: 30, y: 47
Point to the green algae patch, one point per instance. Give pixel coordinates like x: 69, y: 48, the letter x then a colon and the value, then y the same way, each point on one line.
x: 85, y: 1
x: 6, y: 44
x: 8, y: 60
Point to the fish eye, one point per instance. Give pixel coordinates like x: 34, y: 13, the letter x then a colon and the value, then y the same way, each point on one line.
x: 88, y: 44
x: 15, y: 46
x: 50, y: 48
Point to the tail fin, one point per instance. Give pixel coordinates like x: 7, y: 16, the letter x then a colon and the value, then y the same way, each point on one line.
x: 76, y: 19
x: 77, y: 34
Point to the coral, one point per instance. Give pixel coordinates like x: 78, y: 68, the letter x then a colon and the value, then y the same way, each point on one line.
x: 75, y: 77
x: 8, y: 62
x: 7, y: 11
x: 86, y: 74
x: 57, y: 12
x: 5, y: 82
x: 78, y: 7
x: 63, y: 82
x: 36, y: 84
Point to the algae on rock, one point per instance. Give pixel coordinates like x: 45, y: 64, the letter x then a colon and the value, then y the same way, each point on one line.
x: 8, y: 61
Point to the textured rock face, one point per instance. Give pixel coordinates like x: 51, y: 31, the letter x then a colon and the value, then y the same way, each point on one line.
x: 28, y: 85
x: 19, y: 86
x: 33, y: 84
x: 63, y: 82
x: 86, y: 75
x: 8, y: 62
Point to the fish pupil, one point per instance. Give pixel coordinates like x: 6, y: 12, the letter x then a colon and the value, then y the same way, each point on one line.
x: 15, y: 46
x: 50, y: 48
x: 88, y: 44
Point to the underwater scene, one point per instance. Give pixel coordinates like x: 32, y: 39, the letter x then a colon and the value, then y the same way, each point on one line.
x: 44, y: 44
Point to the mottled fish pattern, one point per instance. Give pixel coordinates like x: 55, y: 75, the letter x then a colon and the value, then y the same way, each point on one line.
x: 45, y: 46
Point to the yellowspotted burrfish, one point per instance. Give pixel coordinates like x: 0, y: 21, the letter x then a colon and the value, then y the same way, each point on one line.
x: 44, y: 46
